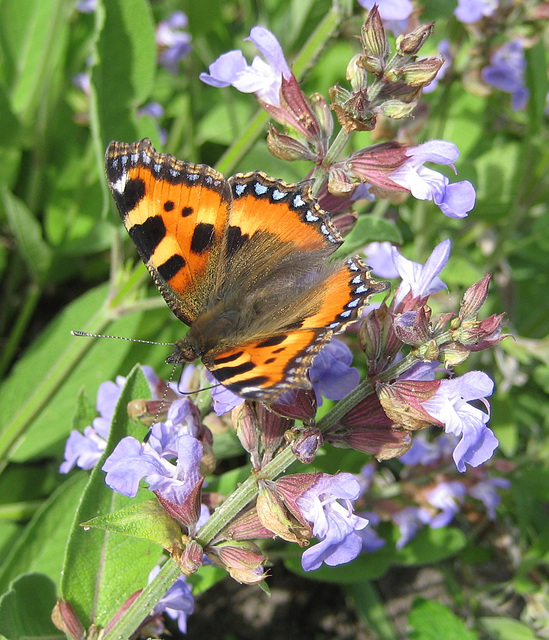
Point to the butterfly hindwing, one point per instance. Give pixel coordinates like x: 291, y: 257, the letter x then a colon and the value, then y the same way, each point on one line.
x: 268, y: 366
x: 176, y: 213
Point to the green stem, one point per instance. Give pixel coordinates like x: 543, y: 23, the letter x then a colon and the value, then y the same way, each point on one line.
x: 362, y: 391
x: 32, y: 296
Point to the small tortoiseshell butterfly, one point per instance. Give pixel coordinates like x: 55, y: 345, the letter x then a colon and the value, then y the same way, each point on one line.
x: 242, y: 262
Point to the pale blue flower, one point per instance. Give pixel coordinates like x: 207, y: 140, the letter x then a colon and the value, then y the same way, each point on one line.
x: 449, y: 406
x: 263, y: 77
x: 506, y: 72
x: 455, y: 200
x: 448, y: 497
x: 332, y: 374
x: 486, y: 492
x: 473, y: 10
x: 410, y: 520
x: 334, y: 524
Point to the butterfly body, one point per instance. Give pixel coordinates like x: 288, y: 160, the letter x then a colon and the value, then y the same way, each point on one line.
x: 243, y: 262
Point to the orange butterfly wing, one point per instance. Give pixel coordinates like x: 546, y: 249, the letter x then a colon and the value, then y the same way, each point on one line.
x: 176, y: 213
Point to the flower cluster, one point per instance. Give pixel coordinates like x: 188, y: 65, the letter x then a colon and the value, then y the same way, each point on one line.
x: 394, y: 92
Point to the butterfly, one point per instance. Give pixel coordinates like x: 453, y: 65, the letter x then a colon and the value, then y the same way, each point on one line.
x: 243, y: 262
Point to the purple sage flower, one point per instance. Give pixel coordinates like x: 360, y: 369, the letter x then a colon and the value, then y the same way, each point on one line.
x: 486, y: 492
x: 455, y: 200
x: 173, y: 41
x: 332, y: 374
x: 132, y: 460
x: 421, y: 280
x: 426, y: 453
x: 410, y: 520
x: 334, y: 524
x: 371, y: 541
x: 473, y: 10
x: 380, y: 258
x: 262, y: 77
x: 506, y: 72
x: 449, y: 406
x: 223, y: 399
x: 178, y: 602
x: 448, y: 497
x: 84, y: 450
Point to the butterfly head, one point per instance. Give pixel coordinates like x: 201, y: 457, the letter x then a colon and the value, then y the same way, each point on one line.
x: 184, y: 351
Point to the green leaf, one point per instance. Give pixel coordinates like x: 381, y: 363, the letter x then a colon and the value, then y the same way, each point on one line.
x: 41, y: 546
x: 25, y: 610
x: 103, y: 569
x: 43, y: 385
x: 431, y: 545
x: 433, y: 621
x: 124, y: 69
x: 369, y: 229
x: 146, y: 520
x: 507, y: 629
x: 28, y: 233
x: 33, y: 36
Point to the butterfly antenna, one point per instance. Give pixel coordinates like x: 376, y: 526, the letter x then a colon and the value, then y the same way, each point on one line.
x: 84, y: 334
x: 162, y: 402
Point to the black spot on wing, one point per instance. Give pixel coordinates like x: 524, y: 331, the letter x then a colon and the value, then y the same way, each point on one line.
x: 186, y: 211
x: 134, y: 192
x: 270, y: 360
x: 203, y: 237
x: 273, y: 341
x: 225, y: 373
x: 235, y: 240
x: 230, y: 358
x: 169, y: 205
x: 171, y: 267
x: 257, y: 381
x: 148, y: 235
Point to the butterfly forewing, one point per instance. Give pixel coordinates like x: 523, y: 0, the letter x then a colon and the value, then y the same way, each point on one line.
x: 262, y: 203
x: 176, y: 213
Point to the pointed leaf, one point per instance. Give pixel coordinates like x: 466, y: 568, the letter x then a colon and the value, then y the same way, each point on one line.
x: 146, y: 520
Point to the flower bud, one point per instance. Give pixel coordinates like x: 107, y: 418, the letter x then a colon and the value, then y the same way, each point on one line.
x: 474, y: 298
x: 246, y: 526
x: 402, y: 400
x: 320, y: 106
x: 287, y: 148
x: 339, y: 182
x: 356, y: 74
x: 275, y: 517
x: 420, y: 73
x: 411, y: 43
x: 247, y: 429
x: 453, y: 354
x: 412, y: 327
x: 306, y: 444
x: 243, y: 560
x: 396, y: 109
x: 374, y: 40
x: 65, y: 619
x: 191, y: 559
